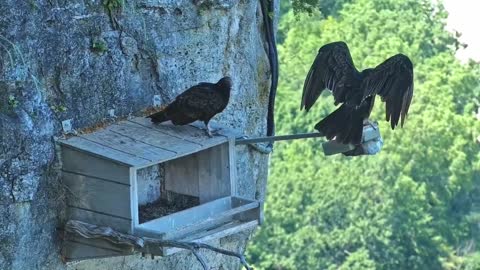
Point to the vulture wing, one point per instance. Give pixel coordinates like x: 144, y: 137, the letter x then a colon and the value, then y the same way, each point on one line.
x: 333, y: 69
x: 393, y: 81
x: 201, y: 101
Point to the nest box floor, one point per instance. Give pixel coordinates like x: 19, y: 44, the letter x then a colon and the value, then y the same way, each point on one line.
x: 163, y: 207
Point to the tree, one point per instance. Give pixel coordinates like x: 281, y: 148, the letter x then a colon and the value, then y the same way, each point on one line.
x: 409, y: 207
x: 326, y: 7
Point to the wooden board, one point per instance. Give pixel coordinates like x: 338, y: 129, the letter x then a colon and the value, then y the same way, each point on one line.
x: 97, y: 195
x: 123, y: 225
x: 188, y: 217
x: 128, y: 145
x: 134, y: 197
x: 214, y: 173
x: 188, y: 133
x: 95, y: 149
x: 205, y: 174
x: 139, y: 143
x: 75, y: 251
x: 223, y: 217
x: 232, y: 166
x: 212, y: 235
x: 82, y: 163
x: 98, y: 242
x: 181, y: 175
x: 154, y: 138
x: 197, y: 218
x: 220, y: 130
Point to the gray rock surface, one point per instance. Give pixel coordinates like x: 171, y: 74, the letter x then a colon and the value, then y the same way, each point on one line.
x: 77, y: 60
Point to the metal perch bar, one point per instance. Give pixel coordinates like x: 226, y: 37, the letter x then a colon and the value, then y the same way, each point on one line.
x: 371, y: 142
x: 277, y: 138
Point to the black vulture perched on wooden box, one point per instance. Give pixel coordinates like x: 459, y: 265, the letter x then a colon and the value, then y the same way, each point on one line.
x: 200, y: 102
x: 333, y: 69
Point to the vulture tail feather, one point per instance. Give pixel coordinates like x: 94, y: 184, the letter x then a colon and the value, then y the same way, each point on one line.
x: 159, y: 117
x: 345, y: 123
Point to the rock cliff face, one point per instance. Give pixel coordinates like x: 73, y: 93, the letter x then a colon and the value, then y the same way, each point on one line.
x: 79, y: 59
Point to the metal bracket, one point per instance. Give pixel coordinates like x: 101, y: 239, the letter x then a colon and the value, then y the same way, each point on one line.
x: 372, y: 143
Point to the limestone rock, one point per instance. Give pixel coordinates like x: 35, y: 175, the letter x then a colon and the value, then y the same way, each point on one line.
x: 79, y: 59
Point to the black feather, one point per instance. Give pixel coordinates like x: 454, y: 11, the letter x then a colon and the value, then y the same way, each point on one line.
x: 333, y: 69
x: 200, y: 102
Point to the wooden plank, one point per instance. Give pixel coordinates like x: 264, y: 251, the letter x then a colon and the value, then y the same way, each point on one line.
x: 249, y: 214
x: 232, y: 166
x: 134, y: 198
x: 187, y: 132
x: 205, y: 174
x: 188, y: 217
x: 83, y: 163
x: 219, y: 129
x: 213, y: 221
x: 155, y: 138
x: 261, y: 213
x: 73, y: 251
x: 97, y: 195
x: 238, y: 201
x: 123, y: 225
x: 149, y: 184
x: 225, y: 230
x: 182, y: 174
x: 128, y: 145
x: 98, y: 242
x: 214, y: 173
x: 166, y: 129
x: 148, y: 232
x: 212, y: 235
x: 102, y: 151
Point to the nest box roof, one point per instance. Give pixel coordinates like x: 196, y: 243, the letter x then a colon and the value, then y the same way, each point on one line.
x: 139, y: 143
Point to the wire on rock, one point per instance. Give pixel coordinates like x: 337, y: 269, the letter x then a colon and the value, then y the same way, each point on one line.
x: 267, y: 9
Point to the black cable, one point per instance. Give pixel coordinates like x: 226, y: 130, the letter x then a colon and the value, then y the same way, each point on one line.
x: 273, y: 59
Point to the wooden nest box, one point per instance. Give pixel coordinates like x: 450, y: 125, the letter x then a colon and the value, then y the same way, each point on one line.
x: 148, y: 180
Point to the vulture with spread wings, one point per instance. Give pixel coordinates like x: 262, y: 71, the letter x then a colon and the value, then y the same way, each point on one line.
x: 333, y: 69
x: 200, y: 102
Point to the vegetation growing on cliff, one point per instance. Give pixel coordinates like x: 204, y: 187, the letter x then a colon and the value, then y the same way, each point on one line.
x: 415, y: 205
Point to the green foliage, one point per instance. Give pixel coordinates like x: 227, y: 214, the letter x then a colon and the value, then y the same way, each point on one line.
x: 416, y: 203
x: 113, y: 7
x: 472, y: 262
x: 99, y: 46
x: 12, y: 102
x: 58, y: 108
x: 327, y: 7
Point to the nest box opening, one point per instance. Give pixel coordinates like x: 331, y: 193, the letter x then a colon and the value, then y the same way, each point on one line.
x: 183, y: 183
x: 161, y: 181
x: 155, y: 200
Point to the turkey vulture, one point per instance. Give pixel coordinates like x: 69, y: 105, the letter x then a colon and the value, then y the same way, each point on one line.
x: 200, y: 102
x: 333, y: 69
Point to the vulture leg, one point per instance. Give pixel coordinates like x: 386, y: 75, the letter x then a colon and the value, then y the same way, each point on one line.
x: 209, y: 131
